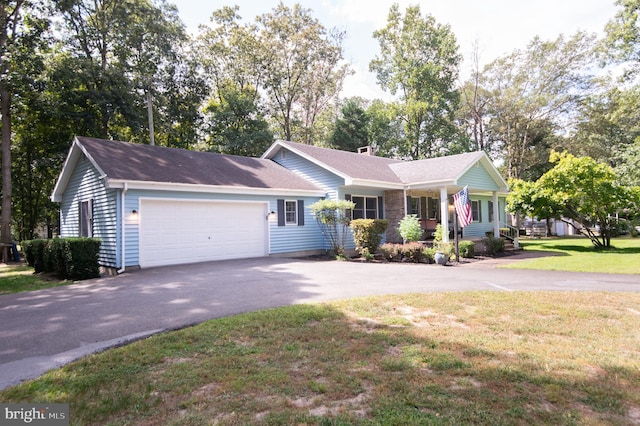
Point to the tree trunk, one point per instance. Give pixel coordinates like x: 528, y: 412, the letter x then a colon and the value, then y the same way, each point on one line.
x: 5, y: 217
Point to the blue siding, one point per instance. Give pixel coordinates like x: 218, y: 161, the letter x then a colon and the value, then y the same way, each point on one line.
x: 310, y: 171
x: 85, y: 184
x: 477, y: 177
x: 282, y: 239
x: 479, y: 229
x: 354, y: 190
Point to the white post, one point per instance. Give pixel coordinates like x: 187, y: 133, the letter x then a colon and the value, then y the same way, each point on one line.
x: 496, y: 216
x: 444, y: 213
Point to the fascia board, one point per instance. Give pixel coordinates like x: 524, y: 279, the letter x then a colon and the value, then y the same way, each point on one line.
x: 65, y: 174
x: 374, y: 184
x: 187, y: 187
x: 430, y: 184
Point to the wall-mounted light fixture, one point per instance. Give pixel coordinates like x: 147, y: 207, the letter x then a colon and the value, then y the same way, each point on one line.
x: 271, y: 216
x: 134, y: 212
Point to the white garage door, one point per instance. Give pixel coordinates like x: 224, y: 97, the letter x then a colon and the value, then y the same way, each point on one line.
x: 175, y: 232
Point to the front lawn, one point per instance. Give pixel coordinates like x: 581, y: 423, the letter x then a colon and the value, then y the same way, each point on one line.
x: 578, y: 255
x: 455, y: 358
x: 18, y: 278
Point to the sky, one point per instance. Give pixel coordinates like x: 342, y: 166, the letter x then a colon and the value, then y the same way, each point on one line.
x: 497, y: 26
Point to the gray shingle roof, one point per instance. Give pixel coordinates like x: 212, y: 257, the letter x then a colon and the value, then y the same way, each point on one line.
x: 134, y: 162
x: 356, y: 166
x: 435, y: 169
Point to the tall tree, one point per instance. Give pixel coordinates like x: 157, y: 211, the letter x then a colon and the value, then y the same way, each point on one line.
x: 235, y: 124
x: 472, y: 116
x: 351, y: 129
x: 623, y: 34
x: 531, y: 91
x: 21, y: 28
x: 608, y: 123
x: 125, y: 54
x: 419, y: 61
x: 303, y: 69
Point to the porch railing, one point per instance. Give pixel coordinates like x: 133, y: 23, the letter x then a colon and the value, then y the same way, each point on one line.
x: 509, y: 232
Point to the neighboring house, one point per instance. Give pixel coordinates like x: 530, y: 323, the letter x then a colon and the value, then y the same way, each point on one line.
x: 155, y: 206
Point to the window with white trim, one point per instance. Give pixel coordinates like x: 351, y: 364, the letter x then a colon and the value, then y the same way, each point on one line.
x: 414, y: 206
x: 433, y: 208
x: 366, y: 207
x: 291, y: 212
x: 475, y: 211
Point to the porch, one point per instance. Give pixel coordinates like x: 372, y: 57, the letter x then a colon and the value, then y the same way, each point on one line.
x: 434, y: 206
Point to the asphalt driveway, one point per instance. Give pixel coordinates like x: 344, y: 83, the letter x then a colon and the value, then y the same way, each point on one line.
x: 44, y: 329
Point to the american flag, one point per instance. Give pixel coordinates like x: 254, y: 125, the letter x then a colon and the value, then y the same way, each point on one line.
x: 463, y: 207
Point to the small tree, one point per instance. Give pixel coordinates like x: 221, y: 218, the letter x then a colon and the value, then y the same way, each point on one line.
x: 409, y: 228
x: 333, y: 218
x: 579, y: 191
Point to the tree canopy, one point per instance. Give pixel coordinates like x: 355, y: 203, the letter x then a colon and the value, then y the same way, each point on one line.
x: 580, y: 191
x: 128, y: 69
x: 419, y: 61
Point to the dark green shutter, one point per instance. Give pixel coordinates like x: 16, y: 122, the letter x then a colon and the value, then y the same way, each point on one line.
x: 380, y: 208
x: 423, y: 207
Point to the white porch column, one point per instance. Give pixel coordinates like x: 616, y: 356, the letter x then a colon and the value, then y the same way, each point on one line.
x: 496, y: 216
x: 444, y: 213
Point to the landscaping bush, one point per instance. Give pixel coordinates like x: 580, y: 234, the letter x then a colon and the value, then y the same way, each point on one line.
x: 68, y: 258
x: 429, y: 255
x: 34, y: 253
x: 413, y: 252
x: 27, y: 249
x: 467, y: 249
x: 333, y: 218
x: 493, y: 246
x: 391, y: 252
x: 367, y: 234
x: 81, y: 258
x: 409, y: 228
x: 54, y: 258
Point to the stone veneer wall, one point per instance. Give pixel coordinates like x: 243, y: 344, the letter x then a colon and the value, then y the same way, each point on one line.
x: 393, y: 212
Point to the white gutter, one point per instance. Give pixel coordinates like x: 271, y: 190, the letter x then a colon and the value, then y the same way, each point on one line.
x: 123, y: 218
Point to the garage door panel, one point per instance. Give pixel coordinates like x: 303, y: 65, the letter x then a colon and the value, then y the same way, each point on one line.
x: 174, y: 232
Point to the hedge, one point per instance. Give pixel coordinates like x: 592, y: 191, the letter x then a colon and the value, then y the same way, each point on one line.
x: 67, y: 258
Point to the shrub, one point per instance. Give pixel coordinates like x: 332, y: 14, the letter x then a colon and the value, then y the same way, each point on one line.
x: 34, y: 253
x: 54, y: 258
x: 72, y: 258
x: 391, y: 252
x: 413, y: 252
x: 409, y: 228
x: 467, y: 249
x: 367, y: 234
x: 27, y: 249
x: 81, y: 258
x: 493, y: 246
x: 333, y: 219
x: 429, y: 254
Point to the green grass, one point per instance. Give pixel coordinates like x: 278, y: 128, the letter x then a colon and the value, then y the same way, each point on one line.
x: 16, y: 279
x: 579, y: 255
x: 456, y: 358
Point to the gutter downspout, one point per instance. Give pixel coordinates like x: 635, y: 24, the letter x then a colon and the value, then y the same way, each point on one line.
x: 123, y: 218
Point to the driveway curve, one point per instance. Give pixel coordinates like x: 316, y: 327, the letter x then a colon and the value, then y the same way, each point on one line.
x: 49, y: 328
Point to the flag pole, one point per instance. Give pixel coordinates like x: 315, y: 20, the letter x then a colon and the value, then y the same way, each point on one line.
x: 455, y: 238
